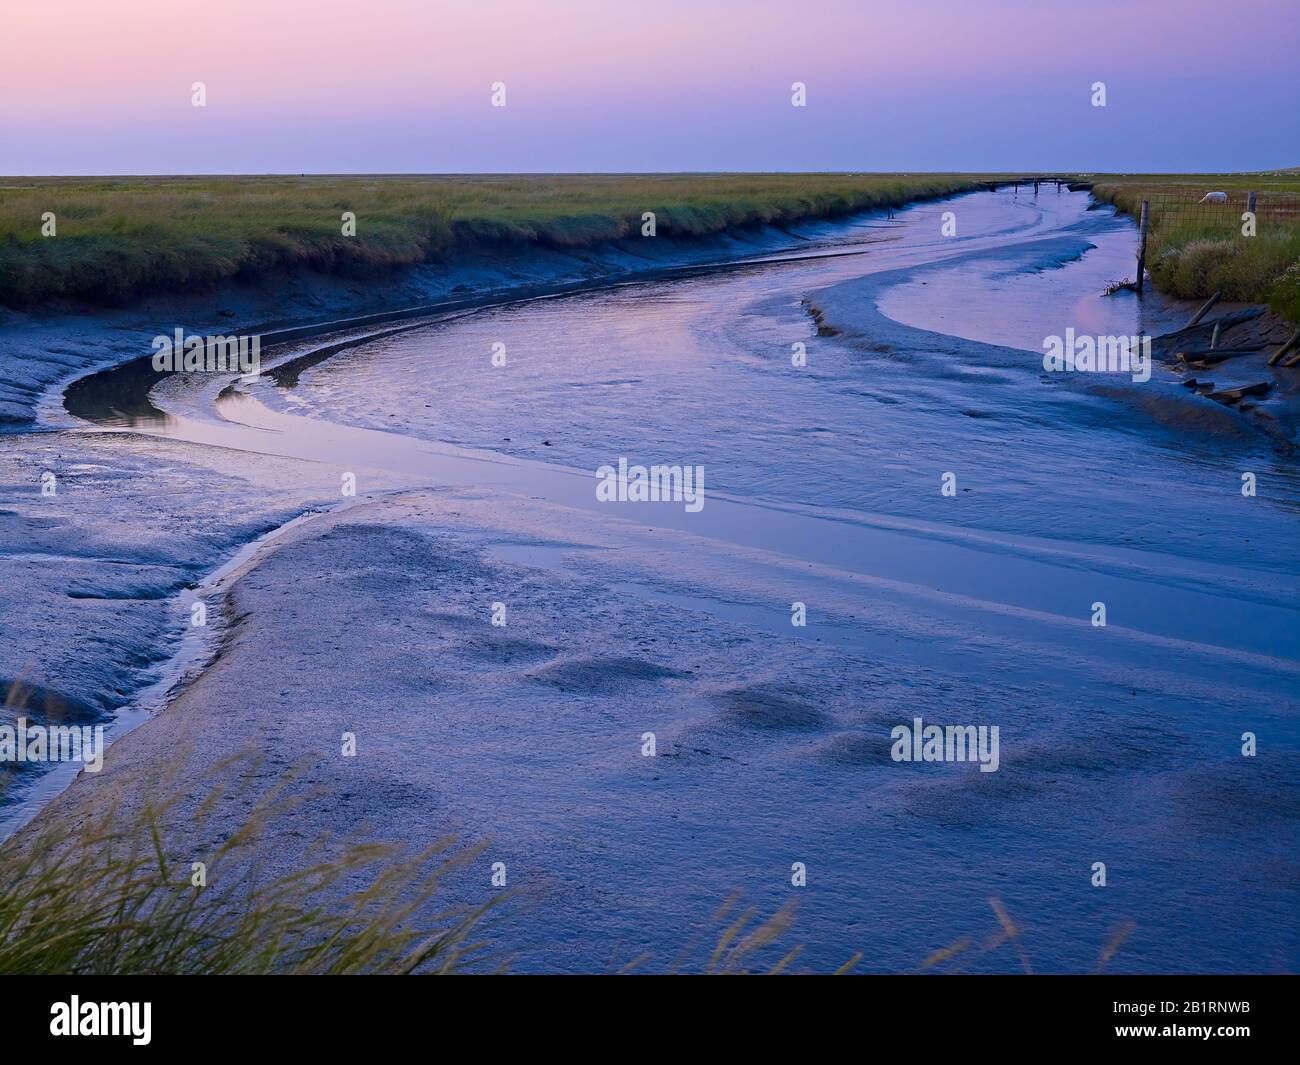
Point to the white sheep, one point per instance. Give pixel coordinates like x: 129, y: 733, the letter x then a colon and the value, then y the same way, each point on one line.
x: 1214, y: 197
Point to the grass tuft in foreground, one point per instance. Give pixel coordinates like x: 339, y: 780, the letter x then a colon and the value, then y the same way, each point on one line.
x: 103, y: 897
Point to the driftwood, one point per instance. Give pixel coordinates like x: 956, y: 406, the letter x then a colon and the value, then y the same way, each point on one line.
x: 1196, y: 351
x: 1232, y: 395
x: 1193, y: 337
x: 1294, y: 359
x: 1213, y: 358
x: 1277, y: 355
x: 1205, y: 309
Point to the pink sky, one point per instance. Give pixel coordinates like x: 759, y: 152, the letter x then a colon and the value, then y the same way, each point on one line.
x: 88, y: 86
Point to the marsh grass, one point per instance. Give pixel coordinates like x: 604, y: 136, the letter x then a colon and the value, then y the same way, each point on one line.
x: 105, y: 892
x: 952, y: 958
x: 103, y: 896
x: 745, y: 943
x: 1193, y: 253
x: 742, y: 945
x: 120, y: 238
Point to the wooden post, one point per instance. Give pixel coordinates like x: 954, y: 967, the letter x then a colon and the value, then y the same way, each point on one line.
x: 1142, y: 247
x: 1250, y: 203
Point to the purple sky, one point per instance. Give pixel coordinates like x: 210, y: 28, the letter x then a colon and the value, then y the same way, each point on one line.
x: 91, y: 87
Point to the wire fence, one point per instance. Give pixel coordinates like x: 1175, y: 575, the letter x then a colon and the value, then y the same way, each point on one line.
x: 1175, y: 208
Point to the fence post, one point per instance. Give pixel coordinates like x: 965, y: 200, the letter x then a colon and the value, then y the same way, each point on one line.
x: 1250, y: 204
x: 1142, y: 247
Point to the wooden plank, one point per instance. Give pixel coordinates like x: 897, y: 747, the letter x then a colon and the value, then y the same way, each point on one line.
x: 1232, y: 395
x: 1213, y: 358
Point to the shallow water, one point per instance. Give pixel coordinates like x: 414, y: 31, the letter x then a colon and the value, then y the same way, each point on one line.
x: 823, y: 482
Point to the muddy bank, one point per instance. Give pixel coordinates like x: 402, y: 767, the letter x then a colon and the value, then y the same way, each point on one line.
x: 99, y: 577
x: 893, y: 311
x: 41, y: 350
x: 1240, y: 357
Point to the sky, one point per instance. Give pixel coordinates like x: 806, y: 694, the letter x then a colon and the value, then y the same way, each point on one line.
x: 338, y: 86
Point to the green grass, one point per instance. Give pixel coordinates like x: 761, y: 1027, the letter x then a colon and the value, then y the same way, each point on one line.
x: 1194, y: 251
x: 109, y: 893
x: 119, y: 238
x: 104, y: 897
